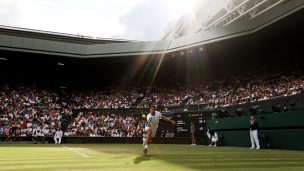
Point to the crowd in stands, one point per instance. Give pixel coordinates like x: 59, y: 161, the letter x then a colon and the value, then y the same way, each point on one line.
x: 97, y: 99
x: 23, y: 109
x: 110, y: 125
x: 227, y: 92
x: 219, y: 93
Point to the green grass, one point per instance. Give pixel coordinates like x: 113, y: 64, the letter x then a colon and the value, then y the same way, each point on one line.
x: 130, y: 157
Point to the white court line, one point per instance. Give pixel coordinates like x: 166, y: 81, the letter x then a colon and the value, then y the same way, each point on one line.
x: 83, y: 155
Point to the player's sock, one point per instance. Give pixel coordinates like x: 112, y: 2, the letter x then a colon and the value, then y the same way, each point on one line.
x: 144, y: 142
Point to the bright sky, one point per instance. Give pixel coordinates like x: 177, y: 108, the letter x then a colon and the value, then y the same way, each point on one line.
x: 123, y: 19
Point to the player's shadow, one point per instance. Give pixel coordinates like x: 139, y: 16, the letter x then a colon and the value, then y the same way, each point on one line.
x: 142, y: 158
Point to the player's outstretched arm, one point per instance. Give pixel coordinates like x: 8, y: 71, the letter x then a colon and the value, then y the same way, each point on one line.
x: 167, y: 119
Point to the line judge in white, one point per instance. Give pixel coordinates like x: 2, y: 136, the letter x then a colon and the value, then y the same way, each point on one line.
x: 58, y: 136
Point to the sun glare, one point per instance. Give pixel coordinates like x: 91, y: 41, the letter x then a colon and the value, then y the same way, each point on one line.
x: 182, y: 7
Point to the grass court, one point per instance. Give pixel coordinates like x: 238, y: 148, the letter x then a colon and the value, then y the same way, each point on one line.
x: 93, y: 157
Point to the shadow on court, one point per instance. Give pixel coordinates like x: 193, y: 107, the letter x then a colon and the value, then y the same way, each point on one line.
x: 141, y: 158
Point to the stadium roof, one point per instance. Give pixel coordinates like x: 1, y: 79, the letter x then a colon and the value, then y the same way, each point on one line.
x: 136, y: 20
x: 56, y: 36
x: 53, y: 43
x: 215, y: 14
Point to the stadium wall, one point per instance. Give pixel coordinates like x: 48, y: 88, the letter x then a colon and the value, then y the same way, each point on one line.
x: 129, y: 140
x: 105, y: 140
x: 282, y: 130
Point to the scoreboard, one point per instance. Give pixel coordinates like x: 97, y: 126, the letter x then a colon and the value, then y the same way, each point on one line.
x: 183, y: 123
x: 184, y: 120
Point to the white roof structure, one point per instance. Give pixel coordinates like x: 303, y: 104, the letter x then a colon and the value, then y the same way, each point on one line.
x: 212, y: 14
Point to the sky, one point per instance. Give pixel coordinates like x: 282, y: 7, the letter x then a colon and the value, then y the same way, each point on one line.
x: 143, y: 20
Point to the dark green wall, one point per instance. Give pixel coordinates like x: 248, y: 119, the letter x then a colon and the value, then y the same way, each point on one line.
x: 283, y: 130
